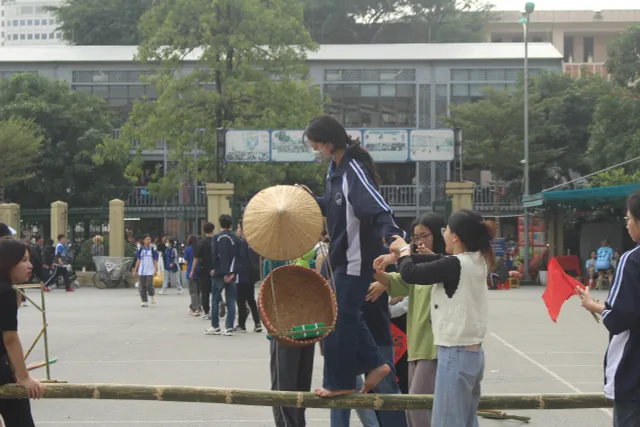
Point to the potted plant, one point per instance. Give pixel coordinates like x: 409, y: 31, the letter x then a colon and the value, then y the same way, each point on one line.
x: 543, y: 273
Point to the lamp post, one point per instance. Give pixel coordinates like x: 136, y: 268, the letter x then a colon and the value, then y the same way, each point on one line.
x: 529, y: 7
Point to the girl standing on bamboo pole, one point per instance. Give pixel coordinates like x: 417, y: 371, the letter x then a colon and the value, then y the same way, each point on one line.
x: 422, y: 351
x: 15, y: 268
x: 459, y: 312
x: 621, y: 316
x: 357, y: 216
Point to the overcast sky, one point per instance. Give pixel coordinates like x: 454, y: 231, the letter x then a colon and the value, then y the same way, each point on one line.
x: 568, y: 4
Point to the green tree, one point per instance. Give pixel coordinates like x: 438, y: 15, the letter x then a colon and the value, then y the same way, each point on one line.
x: 615, y: 130
x: 20, y: 143
x: 622, y: 53
x: 613, y: 177
x: 71, y: 124
x: 101, y: 22
x: 251, y: 74
x: 560, y: 111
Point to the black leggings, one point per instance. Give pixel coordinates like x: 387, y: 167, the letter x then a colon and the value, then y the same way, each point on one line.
x: 16, y: 413
x: 204, y: 289
x: 246, y: 295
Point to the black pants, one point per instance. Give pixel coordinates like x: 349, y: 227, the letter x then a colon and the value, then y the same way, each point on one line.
x: 59, y: 271
x: 626, y: 414
x: 204, y: 289
x: 16, y: 413
x: 246, y: 295
x: 291, y: 370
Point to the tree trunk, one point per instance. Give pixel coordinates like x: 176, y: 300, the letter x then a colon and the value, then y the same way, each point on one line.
x: 306, y: 400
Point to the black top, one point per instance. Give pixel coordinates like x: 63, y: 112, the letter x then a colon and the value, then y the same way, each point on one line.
x: 8, y: 312
x: 227, y: 253
x: 205, y: 259
x: 244, y: 263
x: 431, y: 269
x: 47, y: 255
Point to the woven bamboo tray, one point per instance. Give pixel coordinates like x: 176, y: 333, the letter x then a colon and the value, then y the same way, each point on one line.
x: 292, y: 296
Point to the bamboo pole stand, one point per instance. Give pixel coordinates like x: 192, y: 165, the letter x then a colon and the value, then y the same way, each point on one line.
x: 43, y: 331
x: 378, y: 402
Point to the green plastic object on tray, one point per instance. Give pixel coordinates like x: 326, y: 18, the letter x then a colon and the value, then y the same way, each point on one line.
x: 312, y: 330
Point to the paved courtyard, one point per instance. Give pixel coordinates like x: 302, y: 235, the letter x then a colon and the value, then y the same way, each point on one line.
x: 104, y: 336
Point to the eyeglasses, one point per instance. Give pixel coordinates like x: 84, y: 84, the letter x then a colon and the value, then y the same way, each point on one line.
x: 422, y: 237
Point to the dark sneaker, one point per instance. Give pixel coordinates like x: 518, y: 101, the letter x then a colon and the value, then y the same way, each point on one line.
x: 258, y: 328
x: 240, y: 330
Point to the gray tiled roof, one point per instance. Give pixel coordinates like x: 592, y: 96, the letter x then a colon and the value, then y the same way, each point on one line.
x: 368, y: 52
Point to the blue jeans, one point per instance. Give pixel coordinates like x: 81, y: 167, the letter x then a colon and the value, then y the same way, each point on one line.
x: 626, y: 414
x: 218, y: 285
x: 342, y: 417
x: 388, y: 385
x: 457, y: 393
x: 350, y: 350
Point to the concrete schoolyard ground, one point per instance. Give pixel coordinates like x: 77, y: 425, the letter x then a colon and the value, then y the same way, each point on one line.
x: 104, y: 336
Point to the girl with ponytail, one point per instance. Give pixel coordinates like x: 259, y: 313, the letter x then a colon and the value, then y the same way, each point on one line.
x: 459, y: 311
x: 357, y: 216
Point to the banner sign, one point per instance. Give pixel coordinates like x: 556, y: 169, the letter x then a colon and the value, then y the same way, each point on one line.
x: 385, y: 145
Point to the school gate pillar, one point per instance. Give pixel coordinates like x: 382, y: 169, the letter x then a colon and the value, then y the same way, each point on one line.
x: 59, y: 219
x: 10, y: 215
x: 116, y: 228
x: 461, y: 194
x: 218, y: 201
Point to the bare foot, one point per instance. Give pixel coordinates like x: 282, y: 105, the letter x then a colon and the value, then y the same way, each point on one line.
x: 323, y: 392
x: 374, y: 377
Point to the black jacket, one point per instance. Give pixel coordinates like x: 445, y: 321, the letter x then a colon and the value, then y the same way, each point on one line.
x: 47, y: 255
x: 205, y: 258
x: 227, y: 253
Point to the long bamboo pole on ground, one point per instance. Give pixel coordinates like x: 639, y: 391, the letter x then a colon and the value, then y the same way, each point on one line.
x: 300, y: 400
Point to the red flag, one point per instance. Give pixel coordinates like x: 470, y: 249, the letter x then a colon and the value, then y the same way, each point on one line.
x: 560, y: 287
x: 399, y: 343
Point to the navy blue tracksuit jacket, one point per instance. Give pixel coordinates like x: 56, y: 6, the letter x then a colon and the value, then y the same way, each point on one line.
x: 357, y: 218
x: 622, y: 318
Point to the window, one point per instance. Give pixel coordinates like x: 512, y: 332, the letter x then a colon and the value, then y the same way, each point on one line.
x: 29, y: 21
x: 366, y: 75
x: 537, y: 39
x: 15, y: 37
x: 29, y: 36
x: 36, y: 22
x: 23, y: 37
x: 51, y: 36
x: 15, y: 22
x: 52, y: 22
x: 23, y: 22
x: 588, y: 49
x: 59, y: 35
x: 442, y: 104
x: 568, y: 49
x: 370, y: 105
x: 44, y: 36
x: 26, y: 10
x: 496, y: 38
x: 37, y: 36
x: 40, y: 10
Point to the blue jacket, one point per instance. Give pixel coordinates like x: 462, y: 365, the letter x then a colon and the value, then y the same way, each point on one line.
x: 622, y: 318
x: 357, y: 218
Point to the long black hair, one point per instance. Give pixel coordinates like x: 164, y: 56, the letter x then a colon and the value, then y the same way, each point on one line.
x: 327, y: 129
x: 474, y: 233
x: 11, y: 253
x: 435, y: 223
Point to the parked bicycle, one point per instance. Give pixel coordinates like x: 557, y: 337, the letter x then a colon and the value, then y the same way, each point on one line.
x: 113, y: 275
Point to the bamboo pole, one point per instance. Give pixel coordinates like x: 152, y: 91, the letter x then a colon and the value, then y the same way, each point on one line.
x: 300, y: 400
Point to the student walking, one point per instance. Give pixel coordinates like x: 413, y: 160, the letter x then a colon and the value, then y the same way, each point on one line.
x: 226, y: 261
x: 171, y: 274
x: 202, y: 270
x: 15, y: 268
x: 246, y: 287
x: 61, y: 259
x: 357, y: 216
x: 146, y: 268
x: 192, y: 277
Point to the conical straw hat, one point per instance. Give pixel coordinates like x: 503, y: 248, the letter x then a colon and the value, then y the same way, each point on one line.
x: 282, y: 223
